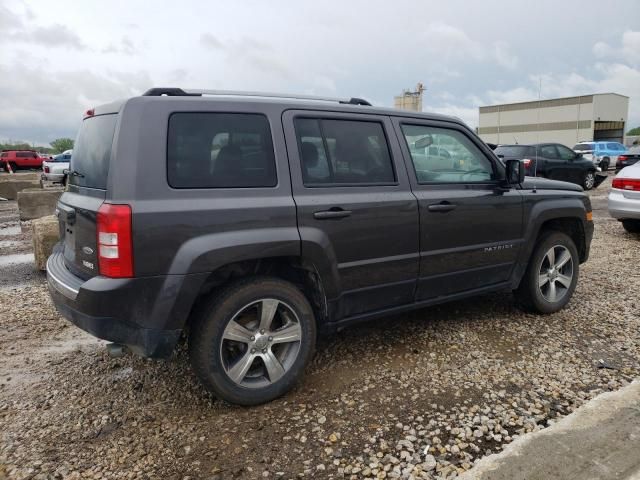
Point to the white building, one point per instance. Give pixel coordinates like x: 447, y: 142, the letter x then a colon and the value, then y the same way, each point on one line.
x: 569, y: 120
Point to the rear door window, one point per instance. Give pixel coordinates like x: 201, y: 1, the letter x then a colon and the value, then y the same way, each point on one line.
x: 343, y: 152
x: 548, y: 151
x: 220, y: 150
x: 92, y: 152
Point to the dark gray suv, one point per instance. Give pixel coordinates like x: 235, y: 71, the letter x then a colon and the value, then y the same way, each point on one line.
x: 252, y: 222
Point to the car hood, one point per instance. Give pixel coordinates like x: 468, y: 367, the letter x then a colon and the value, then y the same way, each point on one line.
x: 546, y: 184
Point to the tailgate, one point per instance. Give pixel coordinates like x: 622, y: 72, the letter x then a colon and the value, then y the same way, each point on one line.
x: 77, y: 219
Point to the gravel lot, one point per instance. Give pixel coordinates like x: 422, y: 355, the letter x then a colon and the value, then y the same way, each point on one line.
x: 420, y: 395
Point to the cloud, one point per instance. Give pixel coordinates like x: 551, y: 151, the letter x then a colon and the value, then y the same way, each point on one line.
x: 628, y: 51
x: 55, y: 35
x: 210, y: 41
x: 124, y: 47
x: 504, y: 57
x: 450, y: 42
x: 38, y: 108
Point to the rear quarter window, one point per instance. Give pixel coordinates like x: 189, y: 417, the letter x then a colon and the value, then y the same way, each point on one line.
x: 220, y: 150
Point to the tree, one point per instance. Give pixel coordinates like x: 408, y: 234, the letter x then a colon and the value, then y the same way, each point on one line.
x: 634, y: 131
x: 62, y: 144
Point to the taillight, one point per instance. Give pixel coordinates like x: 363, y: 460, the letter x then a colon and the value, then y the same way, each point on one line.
x: 626, y: 184
x: 46, y: 169
x: 527, y: 162
x: 115, y: 250
x: 622, y: 157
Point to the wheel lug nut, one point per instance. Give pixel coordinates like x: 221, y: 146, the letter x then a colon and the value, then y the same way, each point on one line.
x: 253, y: 338
x: 253, y: 350
x: 271, y: 339
x: 264, y: 350
x: 262, y: 331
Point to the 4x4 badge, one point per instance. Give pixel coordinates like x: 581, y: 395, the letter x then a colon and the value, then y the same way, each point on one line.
x: 87, y: 250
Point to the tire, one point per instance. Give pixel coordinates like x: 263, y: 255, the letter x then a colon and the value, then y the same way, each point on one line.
x: 604, y: 164
x: 539, y: 299
x: 217, y: 359
x: 631, y: 226
x: 589, y: 180
x: 14, y: 167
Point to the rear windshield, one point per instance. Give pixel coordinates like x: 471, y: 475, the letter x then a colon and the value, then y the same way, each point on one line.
x: 583, y: 147
x: 92, y: 151
x: 514, y: 150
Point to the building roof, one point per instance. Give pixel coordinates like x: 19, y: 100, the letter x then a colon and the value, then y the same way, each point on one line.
x: 552, y: 102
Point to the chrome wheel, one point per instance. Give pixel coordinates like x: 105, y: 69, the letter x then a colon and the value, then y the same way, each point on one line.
x: 589, y: 180
x: 555, y: 274
x: 260, y: 343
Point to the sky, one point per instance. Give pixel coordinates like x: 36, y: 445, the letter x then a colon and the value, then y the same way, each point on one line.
x: 58, y: 59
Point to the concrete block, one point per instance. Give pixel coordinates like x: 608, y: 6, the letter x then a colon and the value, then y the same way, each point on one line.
x: 36, y: 202
x: 10, y: 185
x: 46, y: 234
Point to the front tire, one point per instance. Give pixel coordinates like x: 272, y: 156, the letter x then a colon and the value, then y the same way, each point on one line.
x: 552, y: 274
x: 631, y: 226
x: 251, y: 343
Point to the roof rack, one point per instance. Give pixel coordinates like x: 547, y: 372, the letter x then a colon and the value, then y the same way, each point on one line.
x: 179, y: 92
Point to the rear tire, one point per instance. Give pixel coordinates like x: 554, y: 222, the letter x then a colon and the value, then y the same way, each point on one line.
x: 604, y: 164
x: 631, y: 226
x: 589, y: 180
x: 550, y: 278
x: 251, y: 343
x: 14, y: 166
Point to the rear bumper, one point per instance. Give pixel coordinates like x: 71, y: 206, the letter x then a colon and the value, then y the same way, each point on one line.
x: 623, y: 208
x: 146, y: 314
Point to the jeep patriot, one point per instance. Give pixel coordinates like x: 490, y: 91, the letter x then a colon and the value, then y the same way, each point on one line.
x: 251, y: 222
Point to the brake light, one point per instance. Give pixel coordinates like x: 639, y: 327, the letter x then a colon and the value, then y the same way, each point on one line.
x: 527, y: 162
x: 622, y: 157
x: 89, y: 113
x: 115, y: 250
x: 626, y: 184
x: 46, y: 169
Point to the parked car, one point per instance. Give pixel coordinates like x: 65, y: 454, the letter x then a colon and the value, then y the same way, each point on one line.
x: 20, y: 159
x: 54, y: 170
x: 554, y: 161
x: 624, y: 198
x: 629, y: 158
x: 253, y: 224
x: 603, y: 154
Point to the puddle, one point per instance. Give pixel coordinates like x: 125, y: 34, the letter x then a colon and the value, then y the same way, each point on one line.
x: 16, y: 259
x: 10, y: 231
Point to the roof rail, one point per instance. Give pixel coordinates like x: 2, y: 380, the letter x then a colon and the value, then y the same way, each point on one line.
x: 178, y: 92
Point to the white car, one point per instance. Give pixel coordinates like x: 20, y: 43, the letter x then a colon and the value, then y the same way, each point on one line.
x: 624, y: 198
x: 53, y: 170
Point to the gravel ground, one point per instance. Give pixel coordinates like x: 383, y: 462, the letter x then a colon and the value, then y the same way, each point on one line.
x: 420, y: 395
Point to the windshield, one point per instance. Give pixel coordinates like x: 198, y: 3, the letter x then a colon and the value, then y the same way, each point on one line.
x: 513, y: 150
x: 583, y: 147
x: 92, y: 152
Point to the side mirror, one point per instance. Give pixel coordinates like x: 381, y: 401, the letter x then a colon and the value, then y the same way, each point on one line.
x: 578, y: 155
x: 515, y: 172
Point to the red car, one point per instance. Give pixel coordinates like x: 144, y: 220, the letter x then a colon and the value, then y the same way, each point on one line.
x: 18, y: 159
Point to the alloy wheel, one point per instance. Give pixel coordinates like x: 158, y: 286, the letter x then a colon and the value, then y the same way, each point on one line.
x: 555, y: 273
x: 260, y: 343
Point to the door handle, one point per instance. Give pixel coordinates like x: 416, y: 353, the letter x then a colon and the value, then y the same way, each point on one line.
x: 441, y: 207
x: 333, y: 213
